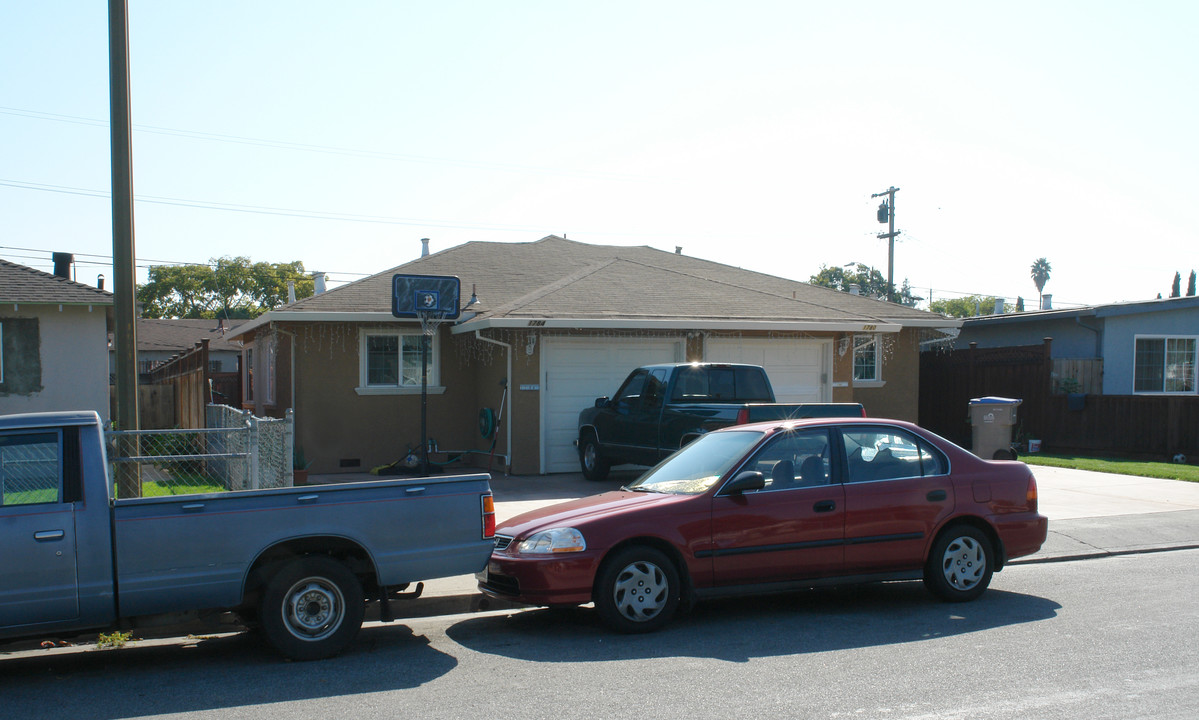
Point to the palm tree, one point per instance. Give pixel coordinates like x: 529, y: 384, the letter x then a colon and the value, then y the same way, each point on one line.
x: 1040, y: 276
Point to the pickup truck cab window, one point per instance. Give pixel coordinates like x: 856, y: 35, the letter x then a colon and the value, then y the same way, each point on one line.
x: 717, y: 384
x: 630, y: 393
x: 29, y: 468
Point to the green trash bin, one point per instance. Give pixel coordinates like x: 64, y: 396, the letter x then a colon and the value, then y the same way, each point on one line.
x: 992, y: 419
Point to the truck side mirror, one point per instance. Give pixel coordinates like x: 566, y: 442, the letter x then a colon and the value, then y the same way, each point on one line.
x: 602, y: 402
x: 745, y: 481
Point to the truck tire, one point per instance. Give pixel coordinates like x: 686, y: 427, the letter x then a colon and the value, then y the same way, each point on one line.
x: 595, y: 466
x: 312, y: 608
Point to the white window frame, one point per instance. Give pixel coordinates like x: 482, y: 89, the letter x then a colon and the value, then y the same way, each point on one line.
x: 871, y: 343
x: 1165, y: 339
x: 434, y: 380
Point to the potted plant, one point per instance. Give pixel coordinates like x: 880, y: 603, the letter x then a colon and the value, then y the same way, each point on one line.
x: 299, y: 467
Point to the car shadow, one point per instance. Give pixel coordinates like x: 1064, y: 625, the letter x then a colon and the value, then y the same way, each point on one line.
x: 186, y: 675
x: 738, y: 630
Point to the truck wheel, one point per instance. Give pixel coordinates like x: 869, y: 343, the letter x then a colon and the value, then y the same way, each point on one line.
x: 312, y: 608
x: 960, y: 564
x: 638, y: 590
x: 595, y: 467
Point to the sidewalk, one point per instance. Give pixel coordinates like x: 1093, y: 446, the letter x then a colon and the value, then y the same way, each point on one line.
x: 1090, y: 515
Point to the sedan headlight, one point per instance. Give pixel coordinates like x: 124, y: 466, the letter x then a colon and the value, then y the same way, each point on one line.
x: 555, y: 540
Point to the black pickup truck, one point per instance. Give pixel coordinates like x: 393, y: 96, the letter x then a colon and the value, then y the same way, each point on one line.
x: 661, y: 408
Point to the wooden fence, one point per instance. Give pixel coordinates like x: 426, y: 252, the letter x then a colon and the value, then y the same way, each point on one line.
x: 194, y: 386
x: 1135, y: 426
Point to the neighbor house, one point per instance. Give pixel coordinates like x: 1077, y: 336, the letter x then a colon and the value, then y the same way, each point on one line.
x: 546, y: 327
x: 161, y: 339
x: 53, y: 342
x: 1131, y: 348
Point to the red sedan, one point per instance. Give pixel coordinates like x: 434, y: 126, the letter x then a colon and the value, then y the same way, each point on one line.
x: 773, y: 507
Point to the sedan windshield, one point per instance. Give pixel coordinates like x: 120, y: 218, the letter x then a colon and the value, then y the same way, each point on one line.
x: 698, y: 465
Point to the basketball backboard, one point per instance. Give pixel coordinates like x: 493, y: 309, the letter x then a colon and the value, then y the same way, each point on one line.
x: 412, y: 295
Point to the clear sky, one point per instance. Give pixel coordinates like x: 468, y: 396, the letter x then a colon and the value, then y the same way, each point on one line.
x: 750, y: 133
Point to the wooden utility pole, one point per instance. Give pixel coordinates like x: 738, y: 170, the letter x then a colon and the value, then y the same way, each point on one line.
x: 886, y: 213
x: 123, y: 255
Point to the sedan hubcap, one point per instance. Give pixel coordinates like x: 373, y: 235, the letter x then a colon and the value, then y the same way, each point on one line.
x: 641, y: 591
x: 964, y: 563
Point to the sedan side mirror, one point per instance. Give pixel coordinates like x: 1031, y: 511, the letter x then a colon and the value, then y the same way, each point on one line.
x: 745, y: 481
x: 601, y: 402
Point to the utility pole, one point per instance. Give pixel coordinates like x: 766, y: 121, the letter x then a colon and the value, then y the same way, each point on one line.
x: 886, y: 213
x: 123, y: 256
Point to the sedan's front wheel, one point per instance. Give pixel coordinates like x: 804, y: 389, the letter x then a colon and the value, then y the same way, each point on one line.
x: 960, y: 565
x: 638, y: 590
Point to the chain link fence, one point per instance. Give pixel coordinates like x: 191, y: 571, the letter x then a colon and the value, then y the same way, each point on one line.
x: 237, y: 451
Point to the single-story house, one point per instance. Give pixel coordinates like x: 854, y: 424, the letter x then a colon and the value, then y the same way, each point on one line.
x: 1149, y: 347
x: 53, y: 342
x: 546, y: 327
x: 160, y: 339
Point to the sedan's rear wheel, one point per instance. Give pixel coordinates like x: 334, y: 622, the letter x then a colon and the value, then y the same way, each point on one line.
x: 638, y: 590
x: 960, y: 565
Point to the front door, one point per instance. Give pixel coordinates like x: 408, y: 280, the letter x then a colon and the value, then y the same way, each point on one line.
x: 40, y: 583
x: 789, y: 530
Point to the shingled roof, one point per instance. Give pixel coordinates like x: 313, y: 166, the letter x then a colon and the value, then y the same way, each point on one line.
x: 26, y: 286
x: 175, y: 335
x: 563, y: 280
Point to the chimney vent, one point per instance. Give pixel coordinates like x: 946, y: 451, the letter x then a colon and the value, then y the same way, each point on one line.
x: 62, y: 264
x: 854, y: 289
x: 100, y: 282
x: 998, y: 306
x: 318, y: 283
x: 424, y: 247
x: 678, y: 249
x: 291, y: 291
x: 1047, y: 301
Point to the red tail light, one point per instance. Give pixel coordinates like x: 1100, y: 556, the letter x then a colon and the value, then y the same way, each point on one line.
x: 488, y: 516
x: 1031, y: 494
x: 742, y: 416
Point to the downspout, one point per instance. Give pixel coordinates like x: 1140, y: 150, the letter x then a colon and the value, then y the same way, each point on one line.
x: 1098, y: 335
x: 508, y: 405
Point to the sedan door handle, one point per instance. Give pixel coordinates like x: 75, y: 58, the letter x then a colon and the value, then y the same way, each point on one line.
x: 49, y: 535
x: 936, y: 495
x: 192, y: 507
x: 825, y: 506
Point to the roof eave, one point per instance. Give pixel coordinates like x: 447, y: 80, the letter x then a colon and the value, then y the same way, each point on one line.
x: 678, y: 324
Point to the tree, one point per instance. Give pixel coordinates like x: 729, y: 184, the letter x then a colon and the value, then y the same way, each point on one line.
x: 870, y: 282
x: 1019, y: 304
x: 1176, y: 286
x: 1191, y: 285
x: 230, y: 287
x: 1040, y: 276
x: 968, y: 306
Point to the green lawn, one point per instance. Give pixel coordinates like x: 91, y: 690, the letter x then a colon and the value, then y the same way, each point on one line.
x: 1169, y: 471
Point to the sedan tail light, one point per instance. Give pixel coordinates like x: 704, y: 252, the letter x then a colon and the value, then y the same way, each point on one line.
x: 1031, y: 493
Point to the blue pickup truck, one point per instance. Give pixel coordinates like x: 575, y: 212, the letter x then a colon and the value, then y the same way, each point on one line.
x: 660, y: 408
x: 300, y: 563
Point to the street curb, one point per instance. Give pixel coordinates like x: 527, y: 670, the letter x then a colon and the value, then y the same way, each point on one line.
x: 1095, y: 554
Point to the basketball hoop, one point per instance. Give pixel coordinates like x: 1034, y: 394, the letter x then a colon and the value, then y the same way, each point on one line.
x: 430, y: 299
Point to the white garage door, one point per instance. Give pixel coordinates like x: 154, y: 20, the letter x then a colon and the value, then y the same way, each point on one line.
x: 798, y: 369
x: 574, y: 372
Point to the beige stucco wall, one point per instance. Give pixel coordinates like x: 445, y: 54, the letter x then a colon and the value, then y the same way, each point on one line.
x: 73, y: 352
x: 899, y: 395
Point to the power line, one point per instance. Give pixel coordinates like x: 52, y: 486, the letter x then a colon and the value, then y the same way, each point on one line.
x: 323, y: 149
x: 266, y: 210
